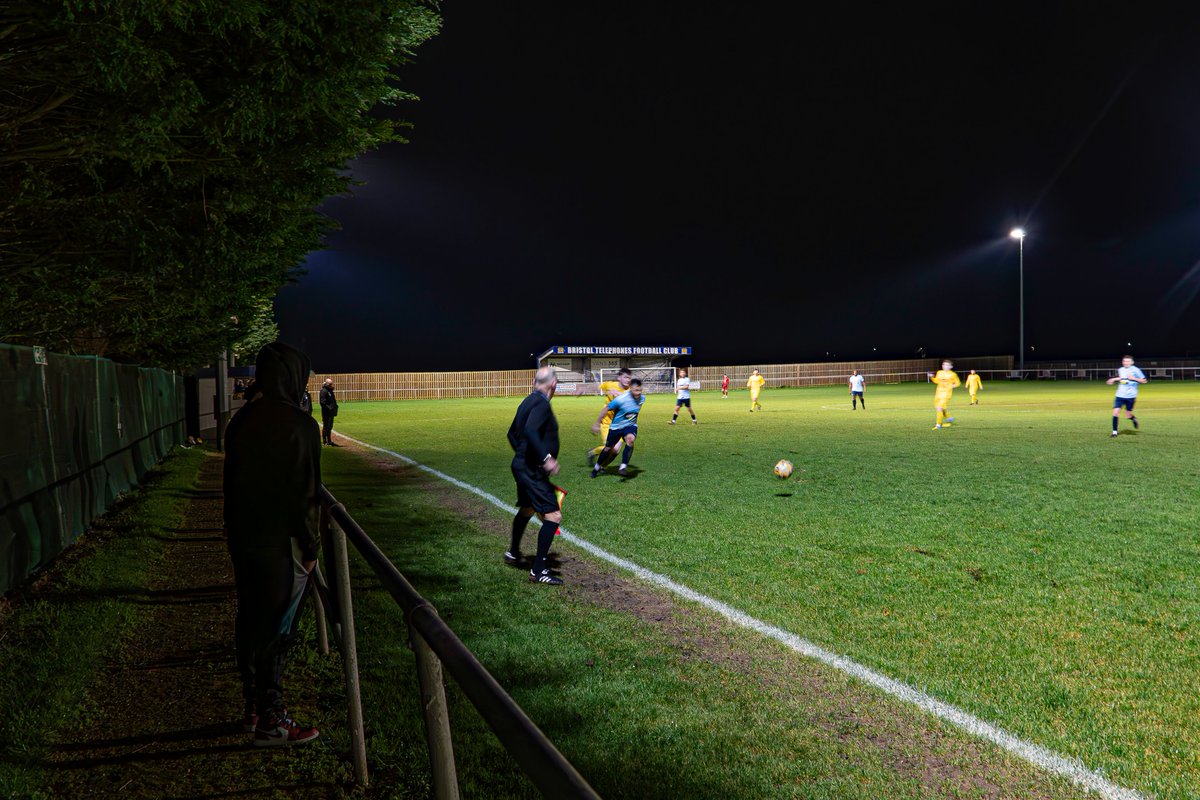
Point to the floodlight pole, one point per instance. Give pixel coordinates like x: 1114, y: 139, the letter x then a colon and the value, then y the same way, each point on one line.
x: 1021, y: 303
x: 1019, y: 235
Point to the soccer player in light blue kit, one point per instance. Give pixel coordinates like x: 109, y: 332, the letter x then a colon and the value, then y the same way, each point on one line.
x: 1127, y: 380
x: 624, y: 427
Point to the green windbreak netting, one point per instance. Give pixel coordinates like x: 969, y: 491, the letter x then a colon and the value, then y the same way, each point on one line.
x: 81, y: 431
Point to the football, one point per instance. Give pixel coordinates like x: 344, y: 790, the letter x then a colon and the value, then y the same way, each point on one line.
x: 783, y: 469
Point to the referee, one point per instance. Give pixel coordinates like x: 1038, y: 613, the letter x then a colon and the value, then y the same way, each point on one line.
x: 534, y: 439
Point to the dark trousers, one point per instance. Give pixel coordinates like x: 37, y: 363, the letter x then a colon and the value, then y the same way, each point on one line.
x: 268, y: 614
x: 326, y: 426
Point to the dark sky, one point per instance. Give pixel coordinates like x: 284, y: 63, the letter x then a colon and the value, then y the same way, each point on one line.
x: 771, y: 187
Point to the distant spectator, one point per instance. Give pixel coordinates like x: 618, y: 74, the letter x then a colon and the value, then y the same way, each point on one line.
x: 329, y: 409
x: 272, y: 473
x: 239, y: 389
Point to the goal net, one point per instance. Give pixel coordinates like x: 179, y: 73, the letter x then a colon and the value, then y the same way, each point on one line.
x: 655, y: 380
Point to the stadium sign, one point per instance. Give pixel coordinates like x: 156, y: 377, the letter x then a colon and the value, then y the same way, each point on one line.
x: 576, y: 350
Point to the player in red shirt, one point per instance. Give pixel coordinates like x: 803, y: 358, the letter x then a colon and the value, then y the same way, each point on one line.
x: 724, y: 386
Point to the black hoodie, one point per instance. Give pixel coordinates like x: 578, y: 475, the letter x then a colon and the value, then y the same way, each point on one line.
x: 273, y: 461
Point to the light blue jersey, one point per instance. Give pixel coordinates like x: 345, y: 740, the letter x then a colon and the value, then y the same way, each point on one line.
x: 1128, y: 388
x: 625, y: 411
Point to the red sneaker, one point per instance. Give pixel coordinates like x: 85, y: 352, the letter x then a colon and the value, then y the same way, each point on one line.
x: 277, y: 729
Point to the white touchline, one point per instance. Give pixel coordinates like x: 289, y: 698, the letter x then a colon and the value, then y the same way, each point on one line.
x: 1035, y: 754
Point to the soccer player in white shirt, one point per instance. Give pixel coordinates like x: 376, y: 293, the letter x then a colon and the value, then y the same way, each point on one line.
x: 1127, y: 380
x: 856, y: 383
x: 683, y: 396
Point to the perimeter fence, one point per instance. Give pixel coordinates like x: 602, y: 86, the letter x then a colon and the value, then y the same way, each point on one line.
x: 508, y: 383
x: 81, y: 430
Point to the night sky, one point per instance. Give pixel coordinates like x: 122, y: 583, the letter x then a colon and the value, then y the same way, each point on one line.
x: 771, y: 188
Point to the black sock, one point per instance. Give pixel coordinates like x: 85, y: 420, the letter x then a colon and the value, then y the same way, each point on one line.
x: 675, y: 416
x: 606, y: 457
x: 693, y: 413
x: 1116, y: 421
x: 626, y: 455
x: 545, y: 539
x: 518, y: 530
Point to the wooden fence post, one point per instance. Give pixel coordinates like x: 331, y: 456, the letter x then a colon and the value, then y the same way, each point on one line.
x: 358, y: 744
x: 437, y: 717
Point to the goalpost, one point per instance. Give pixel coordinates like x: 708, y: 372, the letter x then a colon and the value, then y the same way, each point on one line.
x: 655, y: 380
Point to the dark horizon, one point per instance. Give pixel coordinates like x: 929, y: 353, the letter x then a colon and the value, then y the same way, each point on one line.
x: 766, y: 190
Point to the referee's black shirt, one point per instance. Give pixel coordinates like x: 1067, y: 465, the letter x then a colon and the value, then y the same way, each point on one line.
x: 534, y: 431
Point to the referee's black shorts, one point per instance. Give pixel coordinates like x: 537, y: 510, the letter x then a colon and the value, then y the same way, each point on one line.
x: 534, y: 489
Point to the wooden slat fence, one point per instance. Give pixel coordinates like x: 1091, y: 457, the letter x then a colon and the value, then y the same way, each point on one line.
x: 425, y: 385
x: 516, y: 382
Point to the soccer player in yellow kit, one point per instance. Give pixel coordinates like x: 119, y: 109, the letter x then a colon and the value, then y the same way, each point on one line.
x: 973, y: 384
x: 755, y: 385
x: 609, y: 390
x: 946, y: 381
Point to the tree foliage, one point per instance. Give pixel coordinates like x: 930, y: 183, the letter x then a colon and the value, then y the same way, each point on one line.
x: 161, y: 161
x: 256, y: 332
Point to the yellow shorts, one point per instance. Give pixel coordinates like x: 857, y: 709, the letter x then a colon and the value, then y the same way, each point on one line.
x: 941, y: 400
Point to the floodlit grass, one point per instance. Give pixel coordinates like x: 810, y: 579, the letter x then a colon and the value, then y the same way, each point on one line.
x: 644, y: 705
x: 1020, y: 564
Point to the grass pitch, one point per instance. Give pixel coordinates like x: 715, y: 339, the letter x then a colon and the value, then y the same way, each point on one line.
x: 1020, y: 564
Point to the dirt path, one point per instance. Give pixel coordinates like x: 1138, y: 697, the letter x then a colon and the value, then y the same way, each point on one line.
x: 163, y: 721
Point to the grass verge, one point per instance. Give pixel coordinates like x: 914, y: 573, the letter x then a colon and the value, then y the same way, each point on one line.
x: 57, y: 637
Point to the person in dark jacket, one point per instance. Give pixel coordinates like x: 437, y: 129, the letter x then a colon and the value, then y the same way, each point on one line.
x: 272, y: 474
x: 534, y: 439
x: 329, y: 409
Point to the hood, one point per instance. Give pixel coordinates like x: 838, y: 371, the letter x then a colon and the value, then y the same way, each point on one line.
x: 281, y: 373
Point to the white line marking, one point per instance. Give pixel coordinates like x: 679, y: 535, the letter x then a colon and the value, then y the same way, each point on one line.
x: 1070, y: 768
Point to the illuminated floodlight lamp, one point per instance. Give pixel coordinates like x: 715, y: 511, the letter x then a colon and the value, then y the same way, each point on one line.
x: 1017, y: 233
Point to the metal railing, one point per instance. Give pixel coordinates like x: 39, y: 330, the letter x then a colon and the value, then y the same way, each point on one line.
x: 436, y: 647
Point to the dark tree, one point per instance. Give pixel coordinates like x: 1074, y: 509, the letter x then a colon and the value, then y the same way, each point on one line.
x: 162, y: 162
